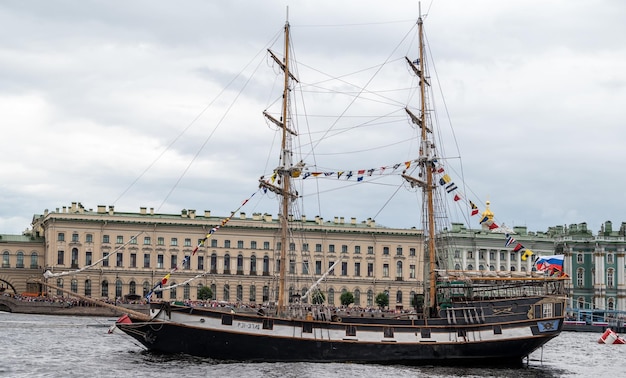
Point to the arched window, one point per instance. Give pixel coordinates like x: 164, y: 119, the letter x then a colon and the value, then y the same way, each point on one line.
x: 34, y: 260
x: 253, y: 265
x: 104, y: 289
x: 5, y: 259
x: 252, y: 293
x: 88, y: 287
x: 399, y: 297
x: 357, y: 297
x: 74, y: 285
x: 214, y: 291
x: 213, y: 263
x: 457, y: 266
x: 610, y: 274
x: 470, y: 267
x: 60, y: 285
x: 118, y: 288
x: 173, y: 290
x: 266, y: 265
x: 74, y: 257
x: 370, y: 298
x: 580, y: 277
x: 227, y: 264
x: 399, y: 271
x: 240, y: 264
x: 266, y: 293
x: 132, y: 287
x: 239, y: 293
x: 227, y: 292
x: 20, y: 260
x: 481, y: 267
x: 331, y: 296
x: 610, y: 304
x: 186, y: 291
x: 581, y: 302
x: 492, y: 268
x: 146, y: 288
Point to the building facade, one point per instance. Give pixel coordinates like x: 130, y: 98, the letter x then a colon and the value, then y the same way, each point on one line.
x: 595, y: 264
x: 240, y: 259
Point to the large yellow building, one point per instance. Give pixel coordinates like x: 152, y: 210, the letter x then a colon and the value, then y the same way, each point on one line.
x: 239, y: 261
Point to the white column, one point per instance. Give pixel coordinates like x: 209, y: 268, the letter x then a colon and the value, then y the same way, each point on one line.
x: 599, y: 283
x: 619, y: 279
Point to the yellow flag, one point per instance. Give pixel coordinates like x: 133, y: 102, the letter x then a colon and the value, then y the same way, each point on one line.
x: 527, y: 254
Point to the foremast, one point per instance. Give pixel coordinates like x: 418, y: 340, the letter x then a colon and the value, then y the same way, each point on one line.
x: 427, y: 163
x: 284, y: 172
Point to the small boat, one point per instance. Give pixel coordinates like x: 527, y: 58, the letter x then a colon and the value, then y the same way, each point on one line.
x: 470, y: 318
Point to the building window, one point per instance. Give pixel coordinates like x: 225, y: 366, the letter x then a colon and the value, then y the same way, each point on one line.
x: 399, y: 296
x: 173, y: 261
x: 104, y: 289
x: 266, y: 245
x: 332, y: 272
x: 580, y: 258
x: 399, y: 271
x: 226, y: 243
x: 213, y: 263
x: 119, y: 261
x: 133, y: 240
x: 385, y: 270
x: 133, y: 260
x: 187, y: 242
x: 305, y: 267
x: 580, y: 277
x: 61, y: 236
x: 609, y: 278
x: 370, y: 269
x: 370, y: 250
x: 160, y: 261
x: 470, y: 254
x: 160, y: 240
x: 213, y: 243
x: 357, y: 297
x: 88, y: 287
x: 120, y: 239
x: 174, y: 242
x: 173, y: 291
x: 60, y: 257
x: 200, y: 262
x: 75, y: 240
x: 132, y: 287
x: 331, y: 248
x: 227, y: 264
x: 252, y: 293
x: 318, y: 248
x: 240, y: 244
x: 105, y: 239
x: 399, y: 251
x: 147, y: 240
x: 60, y: 285
x: 357, y: 249
x: 357, y: 269
x: 253, y: 265
x: 239, y: 293
x: 89, y: 238
x: 370, y: 298
x: 227, y: 292
x: 105, y: 261
x: 305, y: 247
x: 20, y: 260
x: 88, y: 258
x: 146, y: 260
x: 118, y: 289
x: 240, y: 265
x: 385, y: 250
x: 344, y: 249
x: 253, y: 244
x: 318, y: 267
x: 331, y: 296
x: 344, y: 268
x: 411, y: 271
x: 411, y: 251
x: 609, y: 258
x: 34, y: 260
x: 186, y: 291
x: 266, y: 265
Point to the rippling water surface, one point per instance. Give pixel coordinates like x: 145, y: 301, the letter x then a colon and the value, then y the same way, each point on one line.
x: 65, y: 346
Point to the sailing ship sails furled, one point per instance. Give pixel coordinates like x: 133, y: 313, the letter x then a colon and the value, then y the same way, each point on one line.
x: 486, y: 320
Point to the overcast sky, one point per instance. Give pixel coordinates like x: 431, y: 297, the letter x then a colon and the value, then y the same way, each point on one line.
x: 159, y: 104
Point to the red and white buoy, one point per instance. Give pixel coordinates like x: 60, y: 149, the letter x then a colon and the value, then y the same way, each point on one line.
x: 610, y: 337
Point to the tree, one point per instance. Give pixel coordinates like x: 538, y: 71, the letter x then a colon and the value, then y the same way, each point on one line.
x: 347, y: 298
x: 317, y: 297
x: 382, y: 300
x: 205, y: 293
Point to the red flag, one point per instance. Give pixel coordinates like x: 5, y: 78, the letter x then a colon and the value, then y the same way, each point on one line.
x: 457, y: 197
x: 493, y: 226
x: 518, y: 247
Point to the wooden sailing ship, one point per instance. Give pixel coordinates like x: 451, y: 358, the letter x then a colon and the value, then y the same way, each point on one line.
x: 465, y: 320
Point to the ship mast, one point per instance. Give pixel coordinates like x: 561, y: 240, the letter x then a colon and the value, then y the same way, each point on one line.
x: 426, y: 161
x: 284, y: 172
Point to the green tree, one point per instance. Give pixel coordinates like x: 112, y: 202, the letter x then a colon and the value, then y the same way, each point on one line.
x: 205, y: 293
x: 382, y: 300
x: 317, y: 297
x: 347, y: 298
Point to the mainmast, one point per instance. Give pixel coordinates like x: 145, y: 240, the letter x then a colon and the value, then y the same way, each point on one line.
x: 426, y: 160
x: 284, y: 172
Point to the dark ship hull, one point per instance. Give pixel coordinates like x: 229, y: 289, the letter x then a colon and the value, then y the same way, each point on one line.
x: 496, y: 333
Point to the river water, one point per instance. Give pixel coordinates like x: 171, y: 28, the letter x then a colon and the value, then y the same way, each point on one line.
x: 66, y: 346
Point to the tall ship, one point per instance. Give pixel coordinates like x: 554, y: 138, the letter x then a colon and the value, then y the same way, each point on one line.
x: 461, y: 317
